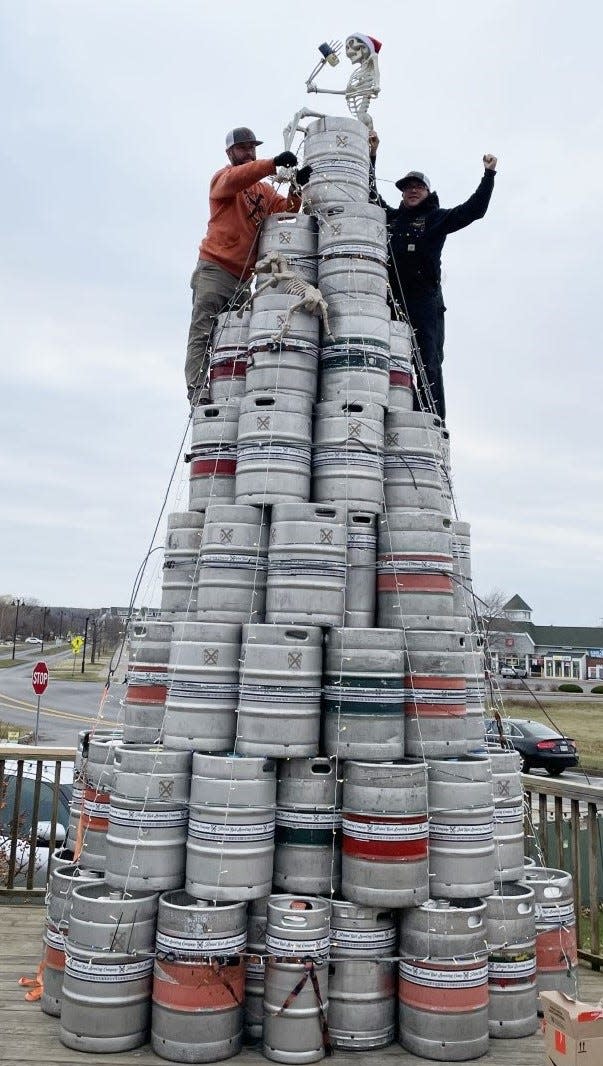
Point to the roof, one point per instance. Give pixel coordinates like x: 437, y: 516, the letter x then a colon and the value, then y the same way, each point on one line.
x: 578, y: 637
x: 516, y: 604
x: 569, y: 636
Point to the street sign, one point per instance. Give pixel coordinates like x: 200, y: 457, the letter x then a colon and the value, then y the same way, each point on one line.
x: 39, y: 678
x: 77, y: 644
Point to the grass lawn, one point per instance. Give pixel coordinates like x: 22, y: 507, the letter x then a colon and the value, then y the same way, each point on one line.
x: 582, y: 721
x: 9, y: 731
x: 67, y: 670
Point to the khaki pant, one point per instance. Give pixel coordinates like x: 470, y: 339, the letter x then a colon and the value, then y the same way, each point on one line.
x: 213, y: 291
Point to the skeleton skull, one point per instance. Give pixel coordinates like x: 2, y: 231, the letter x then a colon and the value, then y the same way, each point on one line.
x: 356, y: 50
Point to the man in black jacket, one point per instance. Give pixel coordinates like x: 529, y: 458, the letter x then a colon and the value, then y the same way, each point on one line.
x: 417, y: 230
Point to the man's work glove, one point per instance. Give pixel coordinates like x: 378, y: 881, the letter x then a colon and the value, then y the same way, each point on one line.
x: 302, y: 176
x: 285, y: 159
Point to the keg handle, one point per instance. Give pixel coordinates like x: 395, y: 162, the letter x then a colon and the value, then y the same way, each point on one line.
x: 296, y: 634
x: 353, y: 407
x: 524, y: 908
x: 552, y: 892
x: 211, y: 412
x: 320, y: 768
x: 294, y: 919
x: 264, y: 401
x: 325, y: 512
x: 474, y: 921
x: 362, y: 519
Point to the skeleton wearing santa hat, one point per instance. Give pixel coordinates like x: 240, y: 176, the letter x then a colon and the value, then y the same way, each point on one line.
x: 363, y: 85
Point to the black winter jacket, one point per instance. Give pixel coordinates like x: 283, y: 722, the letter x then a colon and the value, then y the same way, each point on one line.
x: 417, y: 234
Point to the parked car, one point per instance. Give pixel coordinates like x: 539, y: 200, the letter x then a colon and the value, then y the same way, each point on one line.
x: 539, y: 745
x: 33, y: 640
x: 513, y: 671
x: 25, y: 815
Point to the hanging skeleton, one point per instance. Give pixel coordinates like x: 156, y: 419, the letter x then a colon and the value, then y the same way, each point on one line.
x: 363, y: 85
x: 309, y: 298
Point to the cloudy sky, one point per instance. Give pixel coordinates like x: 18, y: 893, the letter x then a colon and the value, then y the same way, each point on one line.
x: 114, y: 118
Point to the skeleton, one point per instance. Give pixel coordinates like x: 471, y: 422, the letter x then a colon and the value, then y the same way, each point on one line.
x: 309, y: 297
x: 363, y: 84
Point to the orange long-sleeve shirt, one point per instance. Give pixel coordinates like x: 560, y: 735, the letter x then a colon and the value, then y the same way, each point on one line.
x: 238, y: 204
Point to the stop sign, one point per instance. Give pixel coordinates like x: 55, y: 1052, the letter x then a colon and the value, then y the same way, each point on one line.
x: 39, y: 678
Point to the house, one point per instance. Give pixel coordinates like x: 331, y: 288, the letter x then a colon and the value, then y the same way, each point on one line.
x: 564, y: 652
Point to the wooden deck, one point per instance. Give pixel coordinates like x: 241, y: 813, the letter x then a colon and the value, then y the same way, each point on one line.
x: 29, y: 1036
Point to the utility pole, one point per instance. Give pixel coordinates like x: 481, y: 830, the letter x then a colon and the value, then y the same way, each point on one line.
x: 16, y: 603
x: 44, y: 626
x: 60, y: 625
x: 93, y: 651
x: 85, y: 640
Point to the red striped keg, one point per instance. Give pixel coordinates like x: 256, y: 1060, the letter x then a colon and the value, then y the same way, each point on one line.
x: 385, y: 834
x: 144, y: 702
x: 95, y: 823
x: 443, y: 1007
x: 400, y: 368
x: 556, y: 949
x: 199, y: 979
x: 213, y: 454
x: 414, y: 569
x: 435, y: 694
x: 64, y: 877
x: 53, y: 962
x: 228, y: 358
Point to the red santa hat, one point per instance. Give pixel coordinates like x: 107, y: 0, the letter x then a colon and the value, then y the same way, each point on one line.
x: 371, y: 43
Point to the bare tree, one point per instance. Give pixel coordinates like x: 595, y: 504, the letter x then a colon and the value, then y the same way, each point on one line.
x: 490, y: 614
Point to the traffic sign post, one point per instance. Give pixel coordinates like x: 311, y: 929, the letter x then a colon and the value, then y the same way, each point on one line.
x: 77, y: 643
x: 39, y: 683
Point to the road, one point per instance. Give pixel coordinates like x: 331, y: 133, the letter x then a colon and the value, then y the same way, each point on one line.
x: 65, y: 708
x: 69, y: 706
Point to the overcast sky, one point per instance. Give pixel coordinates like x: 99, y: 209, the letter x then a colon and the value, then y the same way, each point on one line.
x: 114, y: 119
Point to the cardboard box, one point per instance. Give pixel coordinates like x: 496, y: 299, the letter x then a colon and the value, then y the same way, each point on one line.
x: 573, y: 1031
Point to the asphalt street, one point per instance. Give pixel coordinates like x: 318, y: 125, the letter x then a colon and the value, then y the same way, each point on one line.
x: 69, y: 706
x: 65, y: 708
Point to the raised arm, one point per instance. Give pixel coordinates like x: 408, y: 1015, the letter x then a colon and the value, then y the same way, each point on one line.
x: 477, y: 204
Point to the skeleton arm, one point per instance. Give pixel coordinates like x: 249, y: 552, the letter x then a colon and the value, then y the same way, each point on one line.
x: 312, y: 88
x: 292, y: 127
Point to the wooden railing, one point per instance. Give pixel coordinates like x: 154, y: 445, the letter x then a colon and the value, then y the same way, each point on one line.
x: 29, y: 776
x: 563, y: 830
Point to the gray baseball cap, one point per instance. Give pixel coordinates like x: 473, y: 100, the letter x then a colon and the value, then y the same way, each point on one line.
x: 241, y: 135
x: 414, y: 175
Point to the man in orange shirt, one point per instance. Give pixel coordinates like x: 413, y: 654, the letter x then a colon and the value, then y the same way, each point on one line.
x: 239, y: 201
